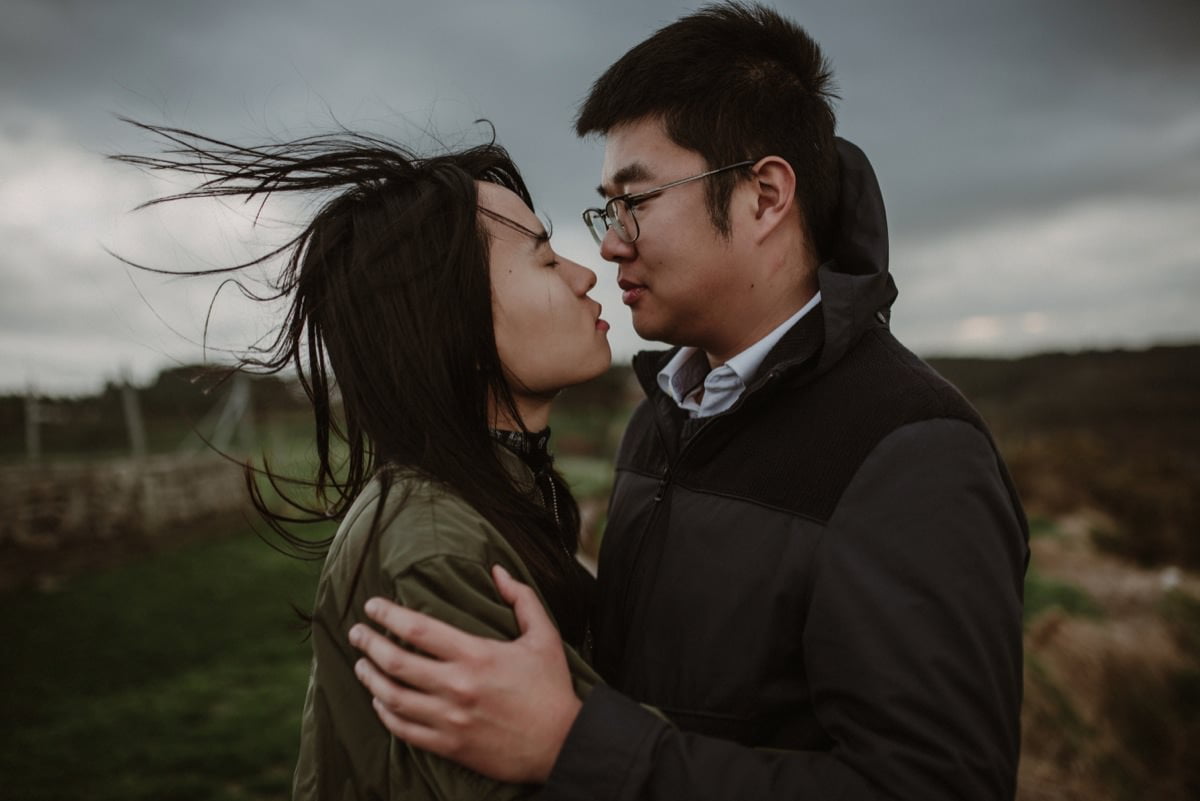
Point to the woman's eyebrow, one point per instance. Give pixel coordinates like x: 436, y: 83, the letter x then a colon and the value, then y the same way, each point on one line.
x: 539, y: 237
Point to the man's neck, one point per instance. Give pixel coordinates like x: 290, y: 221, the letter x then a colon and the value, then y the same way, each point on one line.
x: 764, y: 324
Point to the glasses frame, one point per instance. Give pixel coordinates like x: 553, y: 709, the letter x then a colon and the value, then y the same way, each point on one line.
x: 608, y: 214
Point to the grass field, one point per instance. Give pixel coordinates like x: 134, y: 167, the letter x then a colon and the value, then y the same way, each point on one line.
x: 180, y: 676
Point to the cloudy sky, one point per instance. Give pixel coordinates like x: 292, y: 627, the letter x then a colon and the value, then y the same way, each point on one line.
x: 1040, y: 160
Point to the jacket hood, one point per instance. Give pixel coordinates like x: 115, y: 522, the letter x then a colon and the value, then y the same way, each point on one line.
x: 856, y: 289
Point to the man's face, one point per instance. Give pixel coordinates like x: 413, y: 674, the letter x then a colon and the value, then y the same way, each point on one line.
x: 676, y: 275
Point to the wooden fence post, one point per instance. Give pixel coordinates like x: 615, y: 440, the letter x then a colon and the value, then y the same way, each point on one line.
x: 133, y: 419
x: 33, y: 432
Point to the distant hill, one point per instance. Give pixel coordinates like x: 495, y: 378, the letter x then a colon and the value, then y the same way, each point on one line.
x: 1114, y: 431
x: 1157, y: 388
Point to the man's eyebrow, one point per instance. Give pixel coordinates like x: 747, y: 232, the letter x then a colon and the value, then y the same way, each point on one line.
x: 627, y: 174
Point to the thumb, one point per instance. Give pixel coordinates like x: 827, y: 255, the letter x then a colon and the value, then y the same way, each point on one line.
x: 531, y: 615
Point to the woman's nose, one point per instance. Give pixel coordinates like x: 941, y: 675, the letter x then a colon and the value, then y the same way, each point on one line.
x: 582, y: 279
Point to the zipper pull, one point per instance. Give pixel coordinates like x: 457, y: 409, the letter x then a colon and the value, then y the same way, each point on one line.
x: 662, y: 490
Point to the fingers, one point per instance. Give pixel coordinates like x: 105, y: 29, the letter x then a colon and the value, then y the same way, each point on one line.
x: 508, y: 586
x: 421, y: 631
x: 416, y: 707
x: 531, y: 615
x: 404, y: 713
x: 413, y: 669
x: 412, y: 733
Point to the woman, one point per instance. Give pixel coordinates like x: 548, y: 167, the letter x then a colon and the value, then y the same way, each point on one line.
x: 431, y: 324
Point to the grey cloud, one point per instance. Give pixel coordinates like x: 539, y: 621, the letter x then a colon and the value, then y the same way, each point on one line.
x: 972, y: 113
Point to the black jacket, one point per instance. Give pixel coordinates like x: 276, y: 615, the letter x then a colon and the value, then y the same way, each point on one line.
x: 820, y: 587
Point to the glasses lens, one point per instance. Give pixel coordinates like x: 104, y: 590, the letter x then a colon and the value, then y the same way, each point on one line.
x: 594, y: 218
x: 622, y: 215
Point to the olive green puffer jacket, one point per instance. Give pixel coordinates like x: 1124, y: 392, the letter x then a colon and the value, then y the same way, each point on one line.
x: 434, y: 554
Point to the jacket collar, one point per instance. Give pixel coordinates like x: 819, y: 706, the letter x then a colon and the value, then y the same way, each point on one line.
x: 794, y: 351
x: 517, y: 470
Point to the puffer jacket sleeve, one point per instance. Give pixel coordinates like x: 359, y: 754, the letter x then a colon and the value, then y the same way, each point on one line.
x: 455, y: 586
x: 912, y: 651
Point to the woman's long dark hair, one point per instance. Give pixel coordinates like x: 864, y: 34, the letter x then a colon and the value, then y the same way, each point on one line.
x: 390, y: 321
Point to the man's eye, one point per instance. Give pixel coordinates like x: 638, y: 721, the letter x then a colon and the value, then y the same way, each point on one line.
x: 633, y: 204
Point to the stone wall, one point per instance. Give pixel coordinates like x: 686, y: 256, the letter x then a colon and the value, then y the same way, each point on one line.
x: 72, y: 505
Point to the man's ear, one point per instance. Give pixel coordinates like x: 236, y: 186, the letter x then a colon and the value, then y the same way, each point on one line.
x: 773, y: 187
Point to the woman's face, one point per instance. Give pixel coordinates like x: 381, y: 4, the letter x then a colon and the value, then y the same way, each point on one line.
x: 548, y: 331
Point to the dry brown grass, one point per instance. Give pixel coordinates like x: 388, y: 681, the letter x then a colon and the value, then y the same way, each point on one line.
x: 1111, y: 704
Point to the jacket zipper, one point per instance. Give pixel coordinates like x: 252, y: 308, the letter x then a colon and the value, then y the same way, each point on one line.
x: 637, y: 568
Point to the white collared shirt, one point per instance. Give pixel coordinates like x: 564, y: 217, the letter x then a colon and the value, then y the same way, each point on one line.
x: 688, y: 371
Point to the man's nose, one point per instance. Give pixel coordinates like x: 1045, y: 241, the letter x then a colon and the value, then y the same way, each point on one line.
x: 614, y: 248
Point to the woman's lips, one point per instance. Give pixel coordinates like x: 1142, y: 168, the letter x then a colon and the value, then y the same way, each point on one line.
x: 601, y: 324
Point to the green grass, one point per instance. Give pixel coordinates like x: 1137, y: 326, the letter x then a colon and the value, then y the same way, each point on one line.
x: 180, y: 676
x: 587, y: 476
x: 1043, y: 527
x: 1043, y: 593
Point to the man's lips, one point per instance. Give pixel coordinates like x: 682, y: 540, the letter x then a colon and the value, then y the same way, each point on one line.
x: 630, y: 291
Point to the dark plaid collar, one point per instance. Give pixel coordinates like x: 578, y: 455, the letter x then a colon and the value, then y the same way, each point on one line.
x: 531, y: 446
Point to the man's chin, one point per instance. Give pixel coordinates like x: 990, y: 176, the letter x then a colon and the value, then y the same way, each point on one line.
x: 647, y: 325
x: 650, y: 332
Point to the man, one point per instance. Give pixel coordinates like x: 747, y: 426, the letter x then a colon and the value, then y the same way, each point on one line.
x: 814, y: 558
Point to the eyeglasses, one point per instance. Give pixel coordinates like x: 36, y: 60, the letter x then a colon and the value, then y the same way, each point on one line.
x: 618, y: 212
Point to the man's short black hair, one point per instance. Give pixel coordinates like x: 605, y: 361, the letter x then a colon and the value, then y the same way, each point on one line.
x: 732, y: 81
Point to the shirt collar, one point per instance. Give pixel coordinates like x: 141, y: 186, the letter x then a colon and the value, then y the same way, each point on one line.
x: 724, y: 384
